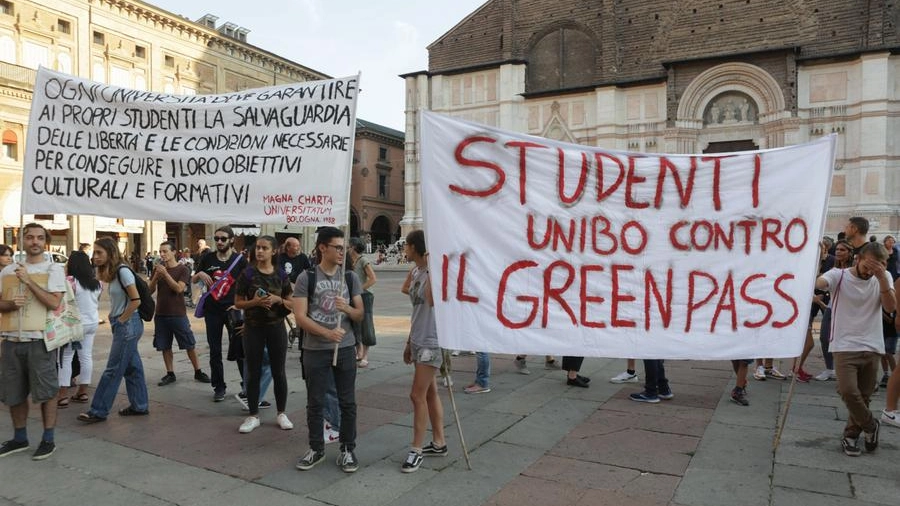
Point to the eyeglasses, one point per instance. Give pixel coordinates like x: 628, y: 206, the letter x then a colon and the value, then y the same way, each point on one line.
x: 220, y: 238
x: 339, y: 249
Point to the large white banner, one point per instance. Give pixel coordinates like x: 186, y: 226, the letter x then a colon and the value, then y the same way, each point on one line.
x: 281, y: 154
x: 543, y: 247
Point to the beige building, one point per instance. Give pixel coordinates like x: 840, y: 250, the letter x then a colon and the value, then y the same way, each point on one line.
x: 125, y: 43
x: 681, y: 77
x: 376, y: 190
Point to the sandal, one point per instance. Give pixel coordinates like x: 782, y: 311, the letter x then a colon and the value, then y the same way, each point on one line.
x: 362, y: 364
x: 62, y: 403
x: 90, y: 418
x: 82, y: 398
x: 129, y: 411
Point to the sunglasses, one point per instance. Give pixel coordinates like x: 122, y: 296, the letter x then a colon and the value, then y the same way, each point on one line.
x: 221, y: 239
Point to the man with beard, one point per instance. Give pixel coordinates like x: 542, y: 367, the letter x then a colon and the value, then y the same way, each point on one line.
x: 213, y: 266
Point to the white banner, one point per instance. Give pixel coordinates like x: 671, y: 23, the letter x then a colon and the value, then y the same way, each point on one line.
x: 543, y: 247
x: 281, y: 154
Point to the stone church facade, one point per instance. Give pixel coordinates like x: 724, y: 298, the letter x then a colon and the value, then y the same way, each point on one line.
x: 697, y: 76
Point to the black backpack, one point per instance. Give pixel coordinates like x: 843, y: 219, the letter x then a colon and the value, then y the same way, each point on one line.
x: 148, y: 305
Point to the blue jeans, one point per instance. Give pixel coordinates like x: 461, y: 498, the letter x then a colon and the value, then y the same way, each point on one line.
x: 124, y: 362
x: 482, y: 369
x: 317, y: 364
x: 655, y: 377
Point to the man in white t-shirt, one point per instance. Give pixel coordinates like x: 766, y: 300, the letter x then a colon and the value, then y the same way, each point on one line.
x: 27, y: 367
x: 858, y: 295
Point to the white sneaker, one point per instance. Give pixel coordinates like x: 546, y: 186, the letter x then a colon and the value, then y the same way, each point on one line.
x: 250, y: 423
x: 890, y: 417
x: 283, y: 422
x: 624, y: 377
x: 521, y: 366
x: 331, y: 436
x: 760, y: 374
x: 826, y: 375
x: 454, y: 353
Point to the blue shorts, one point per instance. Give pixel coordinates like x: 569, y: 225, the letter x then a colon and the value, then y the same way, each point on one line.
x: 169, y: 327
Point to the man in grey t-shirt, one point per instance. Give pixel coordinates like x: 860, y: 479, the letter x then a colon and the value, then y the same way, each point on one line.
x: 318, y: 314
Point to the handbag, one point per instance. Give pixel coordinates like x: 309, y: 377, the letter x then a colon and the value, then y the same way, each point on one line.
x: 200, y: 310
x: 64, y: 322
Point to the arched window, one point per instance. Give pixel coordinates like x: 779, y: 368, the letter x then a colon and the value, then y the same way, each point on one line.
x: 563, y: 58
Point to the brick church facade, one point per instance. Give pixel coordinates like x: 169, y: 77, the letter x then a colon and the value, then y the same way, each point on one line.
x: 681, y: 77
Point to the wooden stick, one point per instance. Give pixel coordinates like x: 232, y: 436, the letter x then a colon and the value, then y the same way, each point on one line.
x: 462, y: 439
x: 784, y: 414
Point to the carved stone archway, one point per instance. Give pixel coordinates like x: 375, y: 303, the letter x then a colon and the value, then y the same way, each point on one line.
x: 742, y: 77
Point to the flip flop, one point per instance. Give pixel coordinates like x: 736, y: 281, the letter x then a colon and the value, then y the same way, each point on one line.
x: 90, y: 418
x: 129, y: 411
x: 82, y: 398
x: 62, y: 403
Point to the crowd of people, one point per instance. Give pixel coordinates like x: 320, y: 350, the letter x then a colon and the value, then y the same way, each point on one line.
x: 257, y: 297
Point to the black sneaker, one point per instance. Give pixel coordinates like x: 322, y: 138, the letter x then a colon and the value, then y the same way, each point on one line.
x: 413, y: 461
x: 666, y: 394
x: 884, y: 381
x: 265, y: 404
x: 219, y: 396
x: 168, y: 379
x: 44, y: 450
x: 201, y: 376
x: 739, y: 396
x: 433, y: 450
x: 850, y: 447
x: 12, y: 446
x: 347, y: 461
x: 310, y: 460
x: 871, y: 438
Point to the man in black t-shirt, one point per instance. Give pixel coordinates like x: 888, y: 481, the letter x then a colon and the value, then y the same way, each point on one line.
x: 210, y: 269
x: 292, y: 261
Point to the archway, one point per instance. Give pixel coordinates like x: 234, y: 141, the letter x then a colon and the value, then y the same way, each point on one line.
x: 381, y: 230
x: 354, y: 223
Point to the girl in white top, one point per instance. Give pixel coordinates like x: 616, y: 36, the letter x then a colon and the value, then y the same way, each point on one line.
x: 87, y: 296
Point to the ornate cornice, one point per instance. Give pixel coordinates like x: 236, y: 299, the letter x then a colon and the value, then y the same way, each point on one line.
x: 208, y: 36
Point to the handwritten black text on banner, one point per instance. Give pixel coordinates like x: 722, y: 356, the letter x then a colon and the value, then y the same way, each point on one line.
x: 271, y: 155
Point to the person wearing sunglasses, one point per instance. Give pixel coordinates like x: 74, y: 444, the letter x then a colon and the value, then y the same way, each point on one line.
x: 213, y: 266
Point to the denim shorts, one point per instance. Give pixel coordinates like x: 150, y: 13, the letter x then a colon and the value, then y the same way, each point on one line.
x: 433, y: 357
x: 167, y: 327
x: 27, y: 367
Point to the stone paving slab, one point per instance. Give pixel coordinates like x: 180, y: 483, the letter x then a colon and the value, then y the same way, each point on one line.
x: 548, y: 424
x: 812, y: 480
x: 792, y: 497
x: 718, y: 487
x: 633, y: 448
x: 376, y: 484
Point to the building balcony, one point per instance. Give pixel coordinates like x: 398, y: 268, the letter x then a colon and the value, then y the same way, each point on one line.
x: 17, y: 76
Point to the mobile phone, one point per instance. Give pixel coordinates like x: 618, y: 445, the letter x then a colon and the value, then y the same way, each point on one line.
x: 261, y: 293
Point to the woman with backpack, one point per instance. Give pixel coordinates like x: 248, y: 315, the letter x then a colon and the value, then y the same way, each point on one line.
x: 263, y: 292
x: 87, y: 290
x: 127, y: 327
